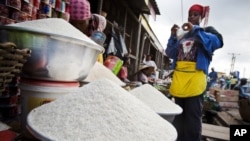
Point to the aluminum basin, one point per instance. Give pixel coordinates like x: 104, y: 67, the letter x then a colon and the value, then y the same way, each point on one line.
x: 54, y: 57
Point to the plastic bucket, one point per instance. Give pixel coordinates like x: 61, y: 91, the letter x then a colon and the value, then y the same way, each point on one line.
x: 35, y: 93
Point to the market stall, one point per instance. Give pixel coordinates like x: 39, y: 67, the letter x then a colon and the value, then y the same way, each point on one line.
x: 60, y: 72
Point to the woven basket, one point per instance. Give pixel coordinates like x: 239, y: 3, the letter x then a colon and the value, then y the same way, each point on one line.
x: 12, y: 60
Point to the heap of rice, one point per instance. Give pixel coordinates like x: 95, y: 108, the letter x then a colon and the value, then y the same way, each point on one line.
x: 100, y: 71
x: 156, y: 100
x: 101, y: 111
x: 3, y: 126
x: 57, y: 26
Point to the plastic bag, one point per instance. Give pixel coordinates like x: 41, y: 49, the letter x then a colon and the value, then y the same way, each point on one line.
x: 117, y: 45
x: 111, y: 48
x: 123, y: 45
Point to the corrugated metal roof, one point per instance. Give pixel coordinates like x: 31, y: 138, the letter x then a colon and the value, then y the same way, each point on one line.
x: 141, y: 6
x: 155, y: 6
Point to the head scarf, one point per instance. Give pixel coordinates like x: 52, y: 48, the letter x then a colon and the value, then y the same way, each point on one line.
x: 97, y: 22
x: 101, y: 22
x: 203, y: 10
x: 79, y: 10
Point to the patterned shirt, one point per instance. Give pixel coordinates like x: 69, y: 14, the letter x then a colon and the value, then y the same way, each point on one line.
x: 187, y: 50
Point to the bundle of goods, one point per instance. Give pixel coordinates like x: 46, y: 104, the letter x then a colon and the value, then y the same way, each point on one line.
x: 11, y: 62
x: 14, y: 11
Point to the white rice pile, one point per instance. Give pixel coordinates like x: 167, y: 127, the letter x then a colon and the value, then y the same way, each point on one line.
x: 100, y: 71
x: 3, y: 126
x: 102, y: 111
x: 57, y: 26
x: 156, y: 100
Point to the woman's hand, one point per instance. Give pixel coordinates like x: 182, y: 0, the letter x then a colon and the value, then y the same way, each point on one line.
x: 187, y: 26
x: 174, y: 29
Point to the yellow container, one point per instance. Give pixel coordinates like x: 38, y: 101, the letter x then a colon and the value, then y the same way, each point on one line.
x: 35, y: 93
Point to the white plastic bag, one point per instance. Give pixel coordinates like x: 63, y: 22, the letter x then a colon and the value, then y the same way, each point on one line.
x: 111, y: 48
x: 124, y: 47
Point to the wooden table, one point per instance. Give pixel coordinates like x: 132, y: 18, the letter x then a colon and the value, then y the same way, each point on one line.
x: 215, y: 132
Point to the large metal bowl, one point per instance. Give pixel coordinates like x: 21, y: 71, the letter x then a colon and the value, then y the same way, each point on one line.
x: 54, y: 57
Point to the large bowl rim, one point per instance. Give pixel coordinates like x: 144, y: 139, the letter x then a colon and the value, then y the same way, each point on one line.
x: 53, y: 35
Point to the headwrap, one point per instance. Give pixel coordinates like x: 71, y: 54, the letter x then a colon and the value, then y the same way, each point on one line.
x: 97, y: 22
x: 79, y: 10
x: 101, y: 22
x: 203, y: 10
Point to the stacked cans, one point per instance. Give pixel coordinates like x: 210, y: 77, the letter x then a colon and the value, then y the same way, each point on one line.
x: 13, y: 11
x: 54, y: 8
x: 9, y: 100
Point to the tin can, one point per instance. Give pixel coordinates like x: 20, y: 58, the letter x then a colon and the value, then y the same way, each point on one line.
x: 49, y: 2
x: 45, y: 9
x: 41, y: 16
x: 46, y: 1
x: 36, y: 3
x: 20, y: 16
x: 28, y: 1
x: 67, y: 8
x: 34, y: 13
x: 4, y: 10
x: 63, y: 7
x: 14, y: 4
x: 58, y: 5
x: 27, y: 8
x: 4, y: 21
x: 66, y: 16
x: 53, y: 3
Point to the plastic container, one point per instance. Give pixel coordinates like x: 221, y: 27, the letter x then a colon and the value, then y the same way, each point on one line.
x: 35, y: 93
x: 113, y: 63
x: 98, y: 37
x: 180, y: 33
x: 169, y: 117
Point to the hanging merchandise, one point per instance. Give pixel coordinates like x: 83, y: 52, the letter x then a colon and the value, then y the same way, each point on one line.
x: 124, y: 47
x: 115, y: 46
x: 111, y: 48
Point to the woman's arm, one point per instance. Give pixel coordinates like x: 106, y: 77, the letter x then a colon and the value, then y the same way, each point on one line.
x: 209, y: 37
x: 171, y: 49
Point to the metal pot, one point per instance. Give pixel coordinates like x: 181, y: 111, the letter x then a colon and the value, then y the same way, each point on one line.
x: 54, y: 57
